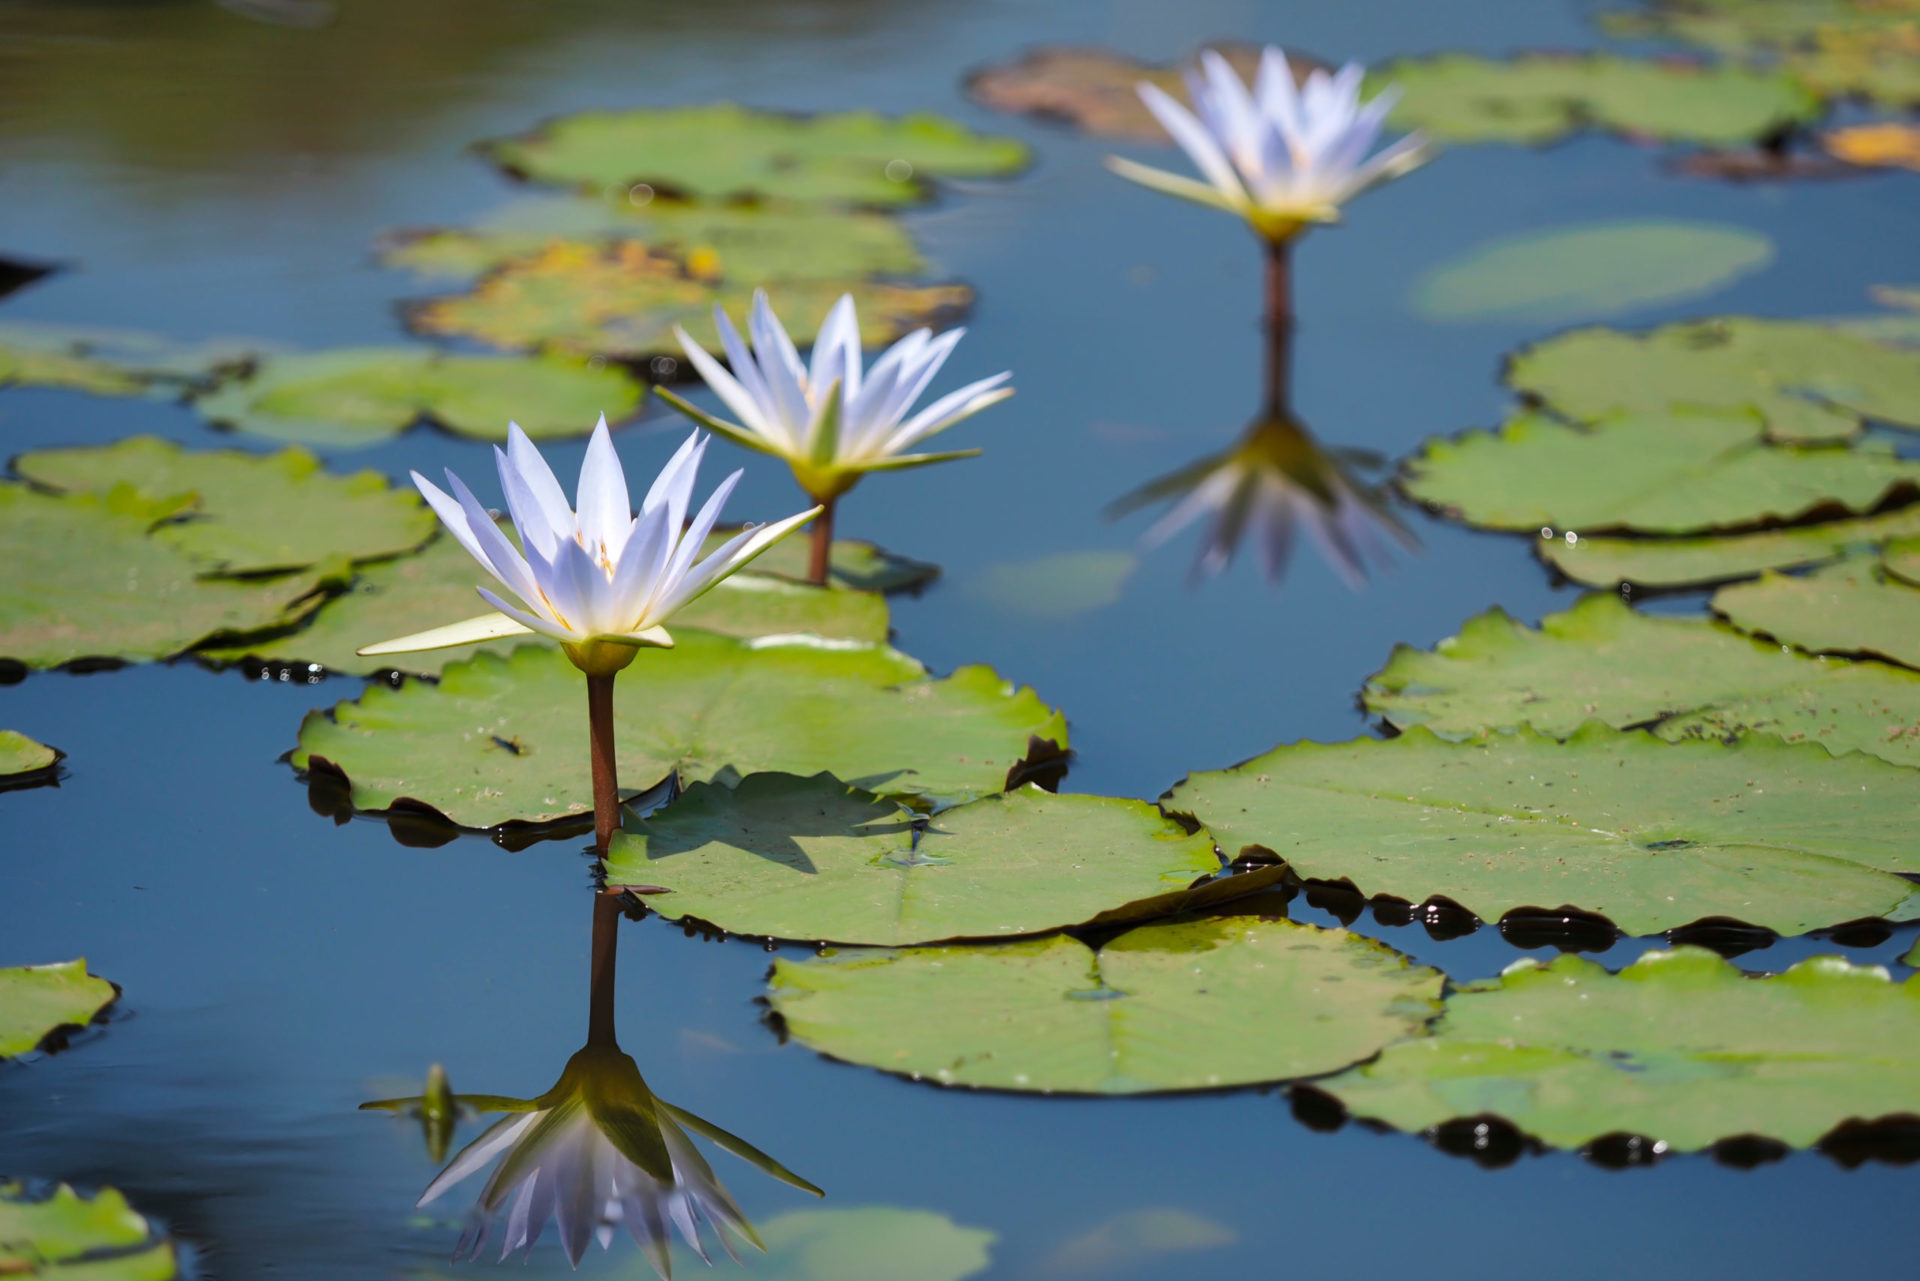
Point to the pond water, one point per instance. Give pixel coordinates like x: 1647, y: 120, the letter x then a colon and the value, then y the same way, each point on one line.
x: 204, y: 174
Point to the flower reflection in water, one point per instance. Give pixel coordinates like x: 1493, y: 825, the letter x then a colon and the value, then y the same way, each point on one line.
x: 1274, y: 480
x: 597, y: 1152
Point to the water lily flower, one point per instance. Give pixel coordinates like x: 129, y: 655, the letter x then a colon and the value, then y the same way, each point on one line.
x: 1275, y: 479
x: 598, y: 1151
x: 830, y: 421
x: 598, y: 578
x: 1279, y: 155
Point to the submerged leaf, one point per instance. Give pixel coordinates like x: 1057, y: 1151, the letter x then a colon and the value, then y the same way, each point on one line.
x: 1651, y: 835
x: 1190, y: 1005
x: 1056, y: 588
x: 1684, y: 677
x: 38, y: 1000
x: 809, y: 858
x: 1590, y: 272
x: 498, y: 739
x: 862, y: 1242
x: 250, y: 513
x: 1680, y: 1048
x: 1097, y: 90
x: 728, y: 152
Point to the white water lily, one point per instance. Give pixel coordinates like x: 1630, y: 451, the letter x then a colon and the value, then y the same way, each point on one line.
x: 1282, y: 156
x: 600, y: 579
x: 1275, y: 480
x: 596, y: 1152
x: 829, y: 419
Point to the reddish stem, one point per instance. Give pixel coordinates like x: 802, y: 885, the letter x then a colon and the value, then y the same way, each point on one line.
x: 820, y: 561
x: 606, y: 780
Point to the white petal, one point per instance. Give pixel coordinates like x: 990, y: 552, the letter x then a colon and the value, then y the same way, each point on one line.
x: 507, y: 564
x: 734, y: 554
x: 1195, y: 141
x: 636, y: 582
x: 453, y: 517
x: 605, y: 509
x: 733, y: 393
x: 950, y: 409
x: 484, y: 628
x: 492, y: 1141
x: 532, y: 622
x: 1239, y: 117
x: 687, y: 548
x: 836, y: 350
x: 780, y: 365
x: 540, y: 482
x: 668, y: 480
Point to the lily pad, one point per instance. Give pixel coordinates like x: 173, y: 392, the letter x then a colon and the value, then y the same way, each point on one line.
x: 1680, y: 1047
x: 1683, y: 677
x: 1902, y: 556
x: 38, y: 1000
x: 1128, y: 1240
x: 1192, y: 1005
x: 1538, y: 98
x: 112, y: 361
x: 501, y: 739
x: 810, y: 858
x: 1807, y: 381
x: 728, y: 152
x: 1716, y: 558
x: 250, y: 513
x: 69, y: 1237
x: 23, y: 365
x: 20, y: 755
x: 750, y: 243
x: 1651, y: 835
x: 1096, y: 90
x: 86, y: 579
x: 1848, y: 608
x: 624, y: 303
x: 1834, y: 47
x: 411, y: 594
x: 1058, y: 587
x: 1592, y: 271
x: 364, y: 395
x: 1660, y: 473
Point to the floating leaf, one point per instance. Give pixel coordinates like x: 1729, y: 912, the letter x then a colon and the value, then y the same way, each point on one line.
x: 38, y: 1000
x: 1716, y: 558
x: 66, y: 1235
x: 1651, y: 835
x: 727, y: 152
x: 1587, y: 272
x: 625, y: 302
x: 1058, y: 587
x: 113, y: 361
x: 1902, y: 557
x: 1127, y: 1241
x: 251, y: 513
x: 20, y: 755
x: 1849, y: 608
x: 1541, y: 97
x: 1883, y: 144
x: 498, y: 739
x: 809, y: 858
x: 1096, y: 90
x: 1834, y: 47
x: 1603, y: 661
x: 414, y: 593
x: 1808, y: 381
x: 363, y: 395
x: 748, y: 243
x: 1680, y: 1047
x: 23, y: 365
x: 85, y: 579
x: 871, y: 1243
x: 1192, y: 1005
x: 1672, y: 473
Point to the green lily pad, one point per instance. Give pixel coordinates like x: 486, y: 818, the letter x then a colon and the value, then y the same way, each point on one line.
x: 252, y: 513
x: 588, y: 301
x: 1901, y: 557
x: 1684, y: 677
x: 364, y: 395
x: 38, y: 1000
x: 810, y: 858
x: 1541, y: 97
x: 1125, y: 1242
x: 1192, y: 1005
x: 727, y: 152
x: 86, y: 579
x: 1651, y: 835
x: 1912, y: 958
x: 1807, y: 381
x: 502, y: 739
x: 1717, y: 558
x: 414, y: 593
x: 1097, y: 90
x: 1588, y: 272
x: 750, y: 243
x: 113, y: 361
x: 20, y: 755
x: 73, y: 1238
x: 1058, y: 587
x: 1680, y: 1047
x: 1835, y: 47
x: 1671, y: 473
x: 1848, y: 608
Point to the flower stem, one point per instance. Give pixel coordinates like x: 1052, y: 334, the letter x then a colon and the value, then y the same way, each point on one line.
x: 1279, y: 324
x: 606, y: 780
x: 606, y: 949
x: 821, y: 559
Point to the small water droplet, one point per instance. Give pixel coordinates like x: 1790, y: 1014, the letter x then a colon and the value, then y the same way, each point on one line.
x: 899, y: 170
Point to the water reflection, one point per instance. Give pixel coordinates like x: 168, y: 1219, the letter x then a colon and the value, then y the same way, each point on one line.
x: 596, y: 1152
x: 1274, y: 481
